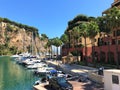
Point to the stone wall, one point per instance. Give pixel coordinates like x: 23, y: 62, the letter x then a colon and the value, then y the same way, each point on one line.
x: 69, y: 59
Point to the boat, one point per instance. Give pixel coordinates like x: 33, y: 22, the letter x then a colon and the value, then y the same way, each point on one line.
x: 27, y: 62
x: 43, y: 70
x: 37, y: 65
x: 15, y: 56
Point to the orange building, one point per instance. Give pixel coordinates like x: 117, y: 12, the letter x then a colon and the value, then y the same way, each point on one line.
x: 104, y: 48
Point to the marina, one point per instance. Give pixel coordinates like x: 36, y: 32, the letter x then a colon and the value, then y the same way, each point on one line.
x: 17, y: 76
x: 14, y: 76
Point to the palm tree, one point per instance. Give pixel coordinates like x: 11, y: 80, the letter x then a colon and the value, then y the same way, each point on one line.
x: 104, y: 27
x: 49, y: 45
x: 57, y: 42
x: 76, y: 34
x: 101, y: 24
x: 83, y: 27
x: 86, y: 29
x: 93, y: 30
x: 64, y: 39
x: 113, y: 21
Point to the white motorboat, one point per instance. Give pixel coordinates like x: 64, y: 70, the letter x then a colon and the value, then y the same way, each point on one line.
x: 37, y: 65
x: 43, y: 70
x: 28, y: 62
x: 15, y: 56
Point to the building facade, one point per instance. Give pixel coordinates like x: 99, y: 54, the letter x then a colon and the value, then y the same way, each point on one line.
x: 104, y: 49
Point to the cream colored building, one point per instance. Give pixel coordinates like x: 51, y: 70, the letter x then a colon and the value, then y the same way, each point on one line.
x: 112, y: 79
x: 81, y: 41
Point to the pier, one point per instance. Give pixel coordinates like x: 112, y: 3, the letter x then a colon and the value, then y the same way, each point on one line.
x: 42, y: 86
x: 45, y: 86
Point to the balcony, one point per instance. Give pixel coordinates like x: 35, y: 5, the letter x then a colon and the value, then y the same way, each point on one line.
x: 116, y: 3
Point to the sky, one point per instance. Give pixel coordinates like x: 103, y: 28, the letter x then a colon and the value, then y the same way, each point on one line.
x: 50, y: 17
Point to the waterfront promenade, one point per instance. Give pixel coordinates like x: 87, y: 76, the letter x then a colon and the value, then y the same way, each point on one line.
x: 73, y: 68
x: 79, y: 70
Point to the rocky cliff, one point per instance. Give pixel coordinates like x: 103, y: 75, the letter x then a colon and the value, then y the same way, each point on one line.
x: 23, y: 39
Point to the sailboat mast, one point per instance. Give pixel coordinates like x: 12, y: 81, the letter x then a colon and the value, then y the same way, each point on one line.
x: 23, y: 41
x: 32, y: 45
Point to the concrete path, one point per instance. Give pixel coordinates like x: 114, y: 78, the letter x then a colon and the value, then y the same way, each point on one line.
x: 78, y: 69
x: 73, y: 68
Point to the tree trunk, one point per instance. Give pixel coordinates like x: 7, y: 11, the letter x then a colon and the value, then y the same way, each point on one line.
x: 57, y: 54
x: 51, y: 51
x: 109, y: 52
x: 93, y: 52
x: 77, y: 50
x: 60, y: 52
x: 85, y: 52
x: 116, y: 45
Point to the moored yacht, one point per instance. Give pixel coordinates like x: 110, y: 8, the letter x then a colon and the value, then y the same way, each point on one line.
x: 37, y: 65
x: 43, y: 70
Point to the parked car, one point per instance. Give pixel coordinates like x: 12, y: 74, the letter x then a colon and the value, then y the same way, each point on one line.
x: 60, y: 83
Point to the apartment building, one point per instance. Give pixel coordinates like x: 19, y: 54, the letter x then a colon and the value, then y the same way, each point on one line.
x: 104, y: 48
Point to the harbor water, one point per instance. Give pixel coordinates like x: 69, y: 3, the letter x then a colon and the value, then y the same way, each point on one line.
x: 14, y: 76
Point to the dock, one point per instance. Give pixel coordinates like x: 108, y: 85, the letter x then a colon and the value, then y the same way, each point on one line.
x: 45, y: 86
x: 42, y: 86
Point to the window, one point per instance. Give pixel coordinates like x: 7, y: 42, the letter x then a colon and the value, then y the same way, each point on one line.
x: 114, y: 33
x: 100, y: 42
x: 118, y: 41
x: 118, y: 32
x: 80, y: 40
x: 113, y: 41
x: 115, y: 79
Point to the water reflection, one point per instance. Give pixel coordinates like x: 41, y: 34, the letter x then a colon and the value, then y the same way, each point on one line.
x: 13, y: 76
